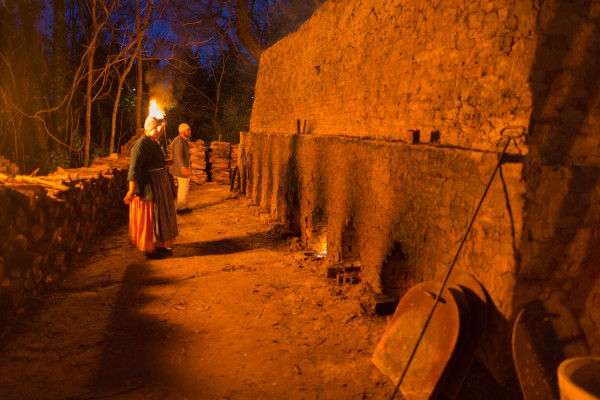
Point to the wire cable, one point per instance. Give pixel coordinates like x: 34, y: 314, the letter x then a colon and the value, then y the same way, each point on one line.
x: 444, y: 283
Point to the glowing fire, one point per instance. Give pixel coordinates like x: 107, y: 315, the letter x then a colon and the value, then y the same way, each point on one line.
x: 155, y: 110
x: 321, y: 248
x: 321, y: 245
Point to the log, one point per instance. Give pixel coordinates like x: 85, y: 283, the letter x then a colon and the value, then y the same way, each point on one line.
x: 57, y: 215
x: 43, y: 182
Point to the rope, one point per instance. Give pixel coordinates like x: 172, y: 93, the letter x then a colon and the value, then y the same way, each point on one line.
x: 439, y: 295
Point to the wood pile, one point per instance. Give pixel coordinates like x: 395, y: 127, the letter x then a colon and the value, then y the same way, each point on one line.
x: 234, y: 156
x: 197, y: 161
x: 114, y: 161
x: 219, y: 162
x: 199, y: 164
x: 46, y: 222
x: 213, y: 164
x: 7, y: 167
x: 125, y: 148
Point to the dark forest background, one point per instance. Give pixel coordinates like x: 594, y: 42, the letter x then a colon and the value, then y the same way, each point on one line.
x: 76, y: 76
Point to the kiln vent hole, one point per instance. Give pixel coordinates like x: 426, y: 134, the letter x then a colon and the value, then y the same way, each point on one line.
x: 398, y: 275
x: 349, y: 270
x: 294, y: 215
x: 350, y: 253
x: 318, y: 234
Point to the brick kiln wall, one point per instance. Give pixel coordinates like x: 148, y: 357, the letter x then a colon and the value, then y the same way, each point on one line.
x: 375, y: 69
x: 379, y: 68
x: 560, y: 249
x: 426, y: 210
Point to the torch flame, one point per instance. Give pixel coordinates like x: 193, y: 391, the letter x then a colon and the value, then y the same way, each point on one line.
x: 155, y: 110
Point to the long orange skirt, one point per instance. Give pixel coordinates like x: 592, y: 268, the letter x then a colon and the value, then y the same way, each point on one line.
x: 141, y: 217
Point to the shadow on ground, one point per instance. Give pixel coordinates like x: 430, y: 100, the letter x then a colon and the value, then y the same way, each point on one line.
x: 231, y: 245
x: 136, y: 352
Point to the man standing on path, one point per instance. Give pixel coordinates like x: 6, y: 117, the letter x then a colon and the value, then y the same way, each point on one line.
x: 180, y: 151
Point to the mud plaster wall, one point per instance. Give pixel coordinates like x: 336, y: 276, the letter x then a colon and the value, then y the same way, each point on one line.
x: 426, y: 210
x: 375, y: 69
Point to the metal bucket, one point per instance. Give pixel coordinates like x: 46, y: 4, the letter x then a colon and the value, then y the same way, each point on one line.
x: 579, y: 378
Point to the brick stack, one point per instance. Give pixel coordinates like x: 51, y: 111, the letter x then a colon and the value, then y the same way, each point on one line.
x: 198, y: 160
x: 348, y: 271
x: 398, y: 274
x: 219, y: 159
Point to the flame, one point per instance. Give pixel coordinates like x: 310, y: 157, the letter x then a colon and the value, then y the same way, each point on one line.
x: 155, y: 110
x: 322, y: 247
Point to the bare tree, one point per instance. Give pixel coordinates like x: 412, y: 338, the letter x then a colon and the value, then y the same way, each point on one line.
x: 248, y: 39
x: 60, y: 59
x: 214, y: 43
x: 136, y: 45
x: 140, y: 70
x: 90, y: 79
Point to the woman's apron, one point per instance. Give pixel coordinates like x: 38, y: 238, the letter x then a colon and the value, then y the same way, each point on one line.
x: 165, y: 219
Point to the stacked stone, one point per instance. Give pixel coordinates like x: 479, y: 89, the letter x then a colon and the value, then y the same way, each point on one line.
x: 8, y: 168
x: 48, y: 221
x: 198, y: 160
x: 219, y: 160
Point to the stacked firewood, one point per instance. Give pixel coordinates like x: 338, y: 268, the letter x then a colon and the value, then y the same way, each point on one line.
x: 234, y: 156
x: 114, y: 161
x: 125, y: 148
x: 47, y: 222
x: 219, y: 159
x: 198, y: 159
x: 7, y: 167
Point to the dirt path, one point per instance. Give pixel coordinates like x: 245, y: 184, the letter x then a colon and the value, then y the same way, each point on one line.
x: 236, y: 313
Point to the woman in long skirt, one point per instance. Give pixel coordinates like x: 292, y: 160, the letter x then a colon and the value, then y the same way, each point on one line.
x: 152, y: 218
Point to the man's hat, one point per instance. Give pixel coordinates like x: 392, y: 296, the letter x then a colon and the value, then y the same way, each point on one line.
x: 184, y: 127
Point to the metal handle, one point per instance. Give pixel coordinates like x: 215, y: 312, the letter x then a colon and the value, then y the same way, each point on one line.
x: 522, y: 130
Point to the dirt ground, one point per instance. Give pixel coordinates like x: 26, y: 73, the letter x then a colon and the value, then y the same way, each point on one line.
x: 238, y: 312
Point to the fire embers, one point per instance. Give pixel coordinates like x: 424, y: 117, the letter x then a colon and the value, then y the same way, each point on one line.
x: 318, y: 234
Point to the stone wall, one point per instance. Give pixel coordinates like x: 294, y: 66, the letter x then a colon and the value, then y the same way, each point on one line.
x: 365, y: 74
